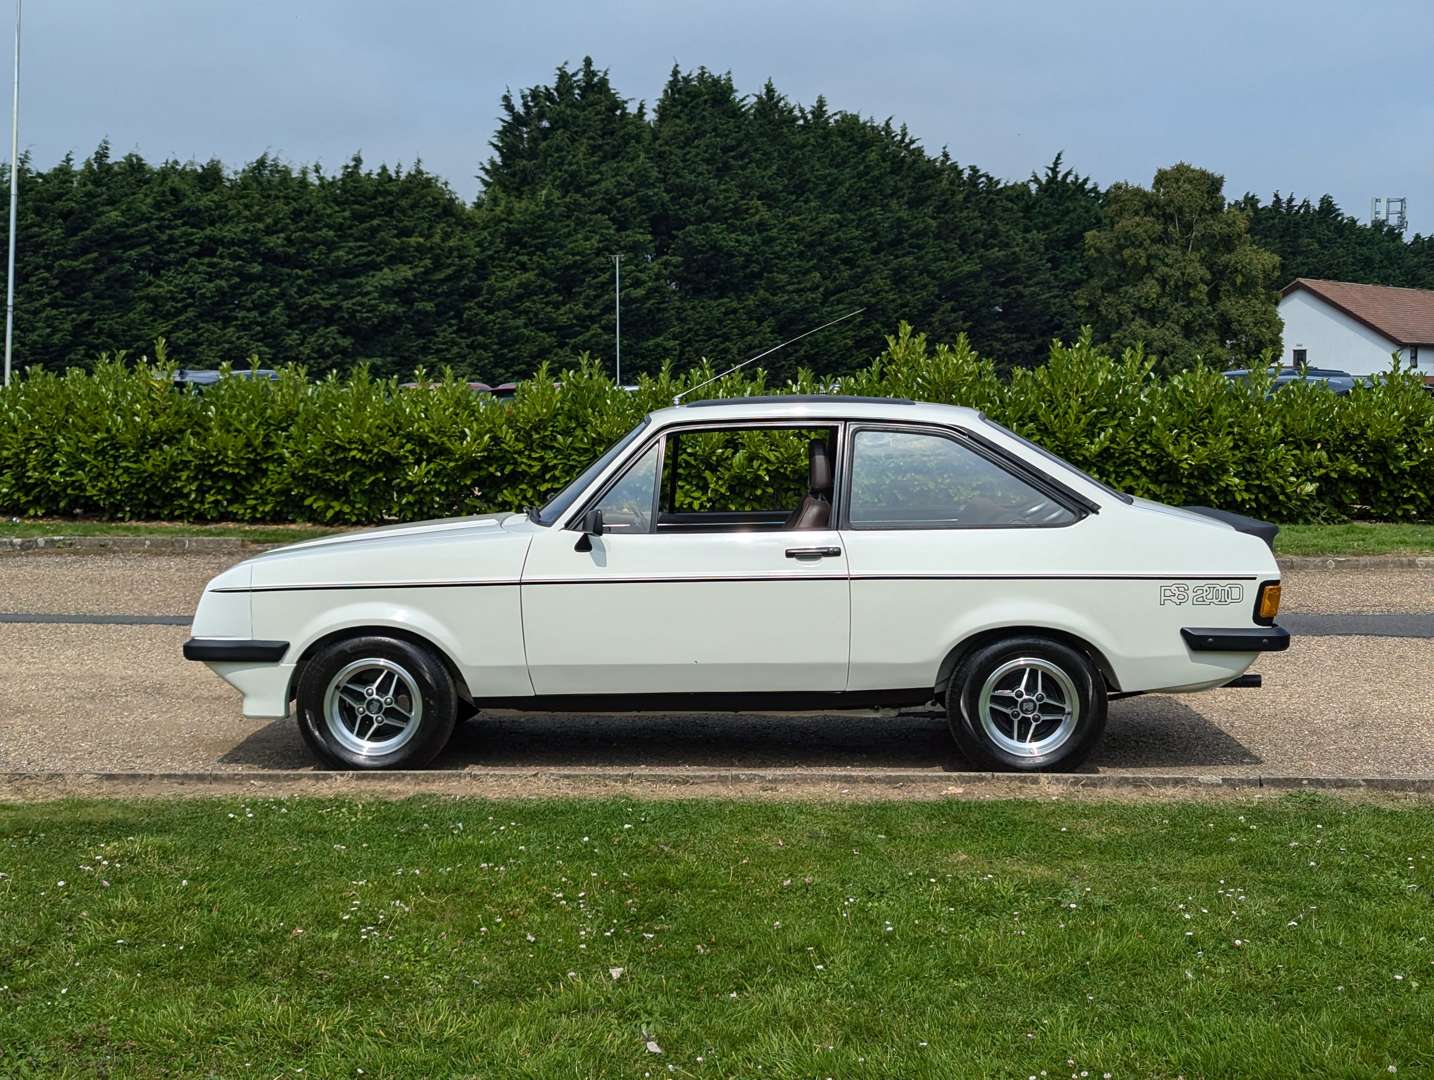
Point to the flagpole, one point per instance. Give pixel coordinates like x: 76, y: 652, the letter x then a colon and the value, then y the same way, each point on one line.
x: 14, y: 198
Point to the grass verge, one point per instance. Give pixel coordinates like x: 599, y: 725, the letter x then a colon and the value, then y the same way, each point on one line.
x: 1350, y: 539
x: 258, y: 534
x: 1355, y: 538
x: 610, y: 938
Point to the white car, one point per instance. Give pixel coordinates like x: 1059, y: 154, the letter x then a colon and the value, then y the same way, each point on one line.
x: 878, y: 552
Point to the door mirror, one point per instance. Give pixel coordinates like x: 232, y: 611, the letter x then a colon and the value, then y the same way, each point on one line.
x: 591, y: 525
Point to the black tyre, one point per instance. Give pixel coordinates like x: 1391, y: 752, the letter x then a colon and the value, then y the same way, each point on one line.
x: 376, y: 702
x: 1026, y: 704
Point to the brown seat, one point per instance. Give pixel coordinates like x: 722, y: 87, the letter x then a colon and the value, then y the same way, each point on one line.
x: 815, y: 511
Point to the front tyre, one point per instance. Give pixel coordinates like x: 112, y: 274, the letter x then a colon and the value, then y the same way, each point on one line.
x: 376, y: 702
x: 1027, y: 704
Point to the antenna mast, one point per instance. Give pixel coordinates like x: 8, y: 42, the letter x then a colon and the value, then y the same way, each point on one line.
x: 735, y: 367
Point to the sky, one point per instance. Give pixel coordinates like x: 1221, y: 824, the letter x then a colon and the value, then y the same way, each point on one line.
x: 1311, y: 97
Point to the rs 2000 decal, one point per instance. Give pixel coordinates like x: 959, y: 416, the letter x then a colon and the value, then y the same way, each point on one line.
x: 1205, y: 594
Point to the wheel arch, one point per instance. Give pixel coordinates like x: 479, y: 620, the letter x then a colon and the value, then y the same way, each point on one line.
x: 460, y: 685
x: 993, y: 634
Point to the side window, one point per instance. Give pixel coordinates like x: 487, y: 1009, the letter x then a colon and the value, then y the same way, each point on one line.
x: 736, y: 479
x: 912, y: 480
x: 627, y: 506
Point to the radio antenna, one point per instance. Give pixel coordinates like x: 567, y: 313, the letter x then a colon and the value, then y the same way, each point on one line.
x: 735, y: 367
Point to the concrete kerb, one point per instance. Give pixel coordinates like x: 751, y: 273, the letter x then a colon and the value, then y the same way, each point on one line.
x: 793, y: 781
x: 1356, y: 562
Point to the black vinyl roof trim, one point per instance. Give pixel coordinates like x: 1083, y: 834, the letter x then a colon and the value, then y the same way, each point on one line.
x: 798, y: 399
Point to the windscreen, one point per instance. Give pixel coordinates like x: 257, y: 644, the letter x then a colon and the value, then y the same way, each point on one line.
x: 558, y: 505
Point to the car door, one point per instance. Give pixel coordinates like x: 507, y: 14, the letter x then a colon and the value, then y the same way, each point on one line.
x: 640, y: 611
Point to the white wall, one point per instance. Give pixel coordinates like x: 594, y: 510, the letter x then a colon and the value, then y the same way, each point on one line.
x: 1331, y: 339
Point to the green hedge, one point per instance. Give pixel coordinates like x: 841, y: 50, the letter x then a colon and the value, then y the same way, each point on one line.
x: 120, y: 442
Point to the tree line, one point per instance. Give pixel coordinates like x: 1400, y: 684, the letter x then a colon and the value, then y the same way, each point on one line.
x: 742, y: 220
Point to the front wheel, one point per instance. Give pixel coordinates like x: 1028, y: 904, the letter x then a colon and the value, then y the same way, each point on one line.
x: 376, y: 702
x: 1027, y: 704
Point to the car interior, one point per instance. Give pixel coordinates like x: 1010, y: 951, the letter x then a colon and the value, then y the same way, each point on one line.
x: 797, y: 465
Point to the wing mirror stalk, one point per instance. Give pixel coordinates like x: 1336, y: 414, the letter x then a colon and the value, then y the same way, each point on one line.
x: 591, y: 525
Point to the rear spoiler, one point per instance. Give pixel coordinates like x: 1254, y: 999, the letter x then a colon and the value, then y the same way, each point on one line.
x: 1240, y: 523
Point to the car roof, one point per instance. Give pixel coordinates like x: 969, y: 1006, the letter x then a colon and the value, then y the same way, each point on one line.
x: 815, y: 407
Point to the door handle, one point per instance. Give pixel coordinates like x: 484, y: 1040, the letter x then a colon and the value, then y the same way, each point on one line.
x: 813, y: 553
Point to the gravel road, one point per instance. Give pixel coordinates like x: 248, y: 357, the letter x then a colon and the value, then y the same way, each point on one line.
x: 119, y: 698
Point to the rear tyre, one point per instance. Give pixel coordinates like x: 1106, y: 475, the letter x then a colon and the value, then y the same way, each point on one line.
x: 1027, y: 704
x: 376, y: 702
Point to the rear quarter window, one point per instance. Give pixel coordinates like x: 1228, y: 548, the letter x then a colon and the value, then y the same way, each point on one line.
x: 920, y: 479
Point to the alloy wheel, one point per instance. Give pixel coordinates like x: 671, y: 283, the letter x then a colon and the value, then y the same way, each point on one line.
x: 1028, y: 706
x: 372, y: 707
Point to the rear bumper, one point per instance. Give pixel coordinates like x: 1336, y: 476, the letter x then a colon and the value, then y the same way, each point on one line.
x: 234, y: 650
x: 1237, y: 639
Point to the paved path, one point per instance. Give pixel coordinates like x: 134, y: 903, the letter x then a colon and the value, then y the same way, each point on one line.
x: 1398, y: 625
x: 104, y: 692
x: 82, y: 619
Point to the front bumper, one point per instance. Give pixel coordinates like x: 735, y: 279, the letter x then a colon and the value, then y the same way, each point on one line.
x: 1237, y: 639
x: 254, y: 668
x: 234, y: 650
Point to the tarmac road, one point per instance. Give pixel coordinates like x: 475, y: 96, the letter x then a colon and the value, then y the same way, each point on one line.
x: 117, y: 696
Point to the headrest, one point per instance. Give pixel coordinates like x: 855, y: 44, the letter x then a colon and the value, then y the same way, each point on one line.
x: 820, y: 465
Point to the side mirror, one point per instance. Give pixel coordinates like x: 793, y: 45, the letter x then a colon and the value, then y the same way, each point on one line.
x: 591, y: 525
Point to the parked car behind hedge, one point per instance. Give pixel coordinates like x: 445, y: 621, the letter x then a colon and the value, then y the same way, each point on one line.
x: 1338, y: 382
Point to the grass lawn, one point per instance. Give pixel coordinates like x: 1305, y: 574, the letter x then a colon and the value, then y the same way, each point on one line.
x: 613, y: 938
x: 1355, y: 538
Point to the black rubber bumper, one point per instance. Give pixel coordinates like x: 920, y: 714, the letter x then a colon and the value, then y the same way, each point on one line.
x: 1237, y: 639
x: 234, y: 649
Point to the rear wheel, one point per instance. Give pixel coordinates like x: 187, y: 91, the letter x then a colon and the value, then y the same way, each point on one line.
x: 376, y: 702
x: 1027, y: 704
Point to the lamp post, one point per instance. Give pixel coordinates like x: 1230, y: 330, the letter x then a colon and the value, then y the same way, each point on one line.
x: 14, y: 198
x: 617, y: 311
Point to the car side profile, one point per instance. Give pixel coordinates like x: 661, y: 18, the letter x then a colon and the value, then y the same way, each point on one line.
x: 876, y: 552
